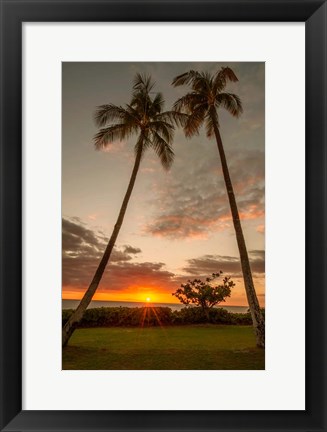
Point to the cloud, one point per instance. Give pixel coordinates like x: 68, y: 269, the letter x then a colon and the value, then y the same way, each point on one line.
x: 208, y: 264
x: 75, y: 235
x: 147, y: 274
x: 194, y: 203
x: 78, y: 241
x: 261, y: 228
x: 131, y: 250
x: 83, y: 248
x: 82, y: 251
x: 92, y: 216
x: 257, y: 254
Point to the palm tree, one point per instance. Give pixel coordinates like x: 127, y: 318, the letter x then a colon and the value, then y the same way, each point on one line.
x: 201, y: 104
x: 154, y: 129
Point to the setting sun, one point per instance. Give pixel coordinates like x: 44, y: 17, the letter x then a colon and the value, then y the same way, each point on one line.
x: 148, y: 299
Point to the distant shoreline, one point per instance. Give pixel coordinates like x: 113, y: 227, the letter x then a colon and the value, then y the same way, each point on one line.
x: 72, y: 304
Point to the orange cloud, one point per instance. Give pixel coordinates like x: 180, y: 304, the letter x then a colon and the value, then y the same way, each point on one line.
x: 130, y: 294
x: 261, y: 229
x: 93, y: 216
x: 252, y: 212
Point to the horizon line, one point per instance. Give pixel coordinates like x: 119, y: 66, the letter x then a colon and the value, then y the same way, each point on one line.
x: 133, y: 301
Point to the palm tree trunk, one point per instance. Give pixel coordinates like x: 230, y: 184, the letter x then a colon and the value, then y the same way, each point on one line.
x: 77, y: 315
x: 257, y: 317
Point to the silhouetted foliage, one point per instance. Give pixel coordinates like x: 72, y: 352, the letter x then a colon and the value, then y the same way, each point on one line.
x: 204, y: 293
x: 156, y: 316
x: 123, y: 317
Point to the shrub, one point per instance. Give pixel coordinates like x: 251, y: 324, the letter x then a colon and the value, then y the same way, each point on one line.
x: 195, y: 315
x: 156, y: 316
x: 205, y: 294
x: 66, y: 313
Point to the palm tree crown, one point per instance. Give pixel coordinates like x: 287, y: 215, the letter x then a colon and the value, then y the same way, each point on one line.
x: 142, y: 116
x: 206, y: 97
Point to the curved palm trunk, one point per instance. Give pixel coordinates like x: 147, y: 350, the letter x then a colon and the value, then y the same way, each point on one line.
x: 77, y: 315
x: 257, y: 317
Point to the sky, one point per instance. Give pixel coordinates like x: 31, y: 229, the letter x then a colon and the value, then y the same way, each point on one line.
x: 178, y: 224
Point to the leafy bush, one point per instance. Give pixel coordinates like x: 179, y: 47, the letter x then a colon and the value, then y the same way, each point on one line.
x: 123, y: 317
x: 197, y: 315
x: 205, y: 294
x: 66, y: 313
x: 156, y: 316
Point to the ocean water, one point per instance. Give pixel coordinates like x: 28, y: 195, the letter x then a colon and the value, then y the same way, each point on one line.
x: 72, y: 304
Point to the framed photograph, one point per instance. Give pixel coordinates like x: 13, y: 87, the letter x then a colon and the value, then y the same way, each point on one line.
x: 148, y: 294
x: 163, y: 215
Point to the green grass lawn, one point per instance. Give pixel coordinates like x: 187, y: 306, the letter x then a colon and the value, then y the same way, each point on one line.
x: 184, y: 347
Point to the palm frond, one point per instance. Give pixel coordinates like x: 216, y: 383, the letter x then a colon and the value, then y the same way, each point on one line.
x: 164, y: 128
x: 134, y: 112
x: 143, y: 83
x: 108, y: 135
x: 231, y: 102
x: 141, y: 102
x: 201, y: 83
x: 229, y: 74
x: 189, y: 102
x: 195, y: 121
x: 222, y: 76
x: 109, y: 112
x: 173, y: 117
x: 156, y: 105
x: 163, y: 149
x: 205, y: 84
x: 185, y: 78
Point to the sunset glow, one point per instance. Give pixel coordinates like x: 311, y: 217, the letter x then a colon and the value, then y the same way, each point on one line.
x: 178, y: 224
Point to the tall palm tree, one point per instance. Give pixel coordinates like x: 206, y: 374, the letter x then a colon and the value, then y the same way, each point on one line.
x: 207, y: 95
x: 154, y: 129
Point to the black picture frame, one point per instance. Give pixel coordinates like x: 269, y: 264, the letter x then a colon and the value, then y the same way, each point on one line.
x: 13, y: 14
